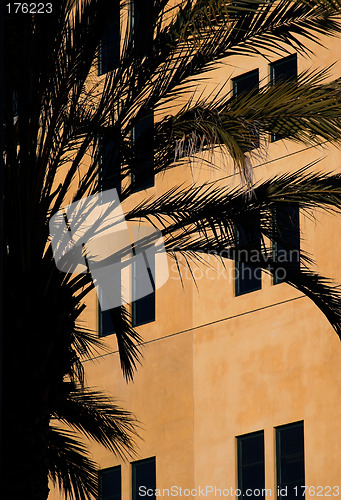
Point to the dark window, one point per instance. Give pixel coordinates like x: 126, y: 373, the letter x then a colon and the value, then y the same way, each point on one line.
x: 246, y: 83
x: 242, y: 12
x: 109, y: 50
x: 248, y: 273
x: 286, y: 222
x: 251, y: 468
x: 144, y: 478
x: 143, y: 154
x: 143, y: 308
x: 142, y: 136
x: 249, y: 278
x: 110, y: 483
x: 290, y: 460
x: 283, y: 70
x: 105, y: 326
x: 142, y: 26
x: 109, y: 178
x: 110, y: 167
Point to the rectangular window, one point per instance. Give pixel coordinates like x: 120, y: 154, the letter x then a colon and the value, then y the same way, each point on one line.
x: 290, y: 461
x: 109, y: 178
x: 105, y: 323
x: 143, y: 307
x: 142, y: 26
x: 246, y: 83
x: 283, y: 70
x: 109, y: 49
x: 144, y: 478
x: 110, y: 483
x: 105, y: 326
x: 286, y: 222
x: 142, y: 175
x: 242, y: 12
x: 251, y: 466
x: 110, y: 165
x: 248, y: 276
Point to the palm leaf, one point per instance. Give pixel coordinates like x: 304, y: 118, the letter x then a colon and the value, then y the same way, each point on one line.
x: 70, y: 467
x: 305, y: 111
x: 99, y: 418
x: 203, y: 220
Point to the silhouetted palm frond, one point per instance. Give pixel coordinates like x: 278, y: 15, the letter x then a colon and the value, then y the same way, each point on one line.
x: 206, y: 222
x: 99, y: 418
x: 70, y: 467
x: 306, y: 111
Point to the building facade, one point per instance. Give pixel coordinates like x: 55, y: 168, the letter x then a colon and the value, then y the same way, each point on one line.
x: 239, y: 389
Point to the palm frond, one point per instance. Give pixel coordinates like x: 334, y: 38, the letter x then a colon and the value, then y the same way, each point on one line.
x: 201, y: 220
x: 185, y: 206
x: 128, y: 340
x: 98, y: 417
x: 214, y: 29
x: 70, y: 467
x: 324, y: 292
x: 305, y: 111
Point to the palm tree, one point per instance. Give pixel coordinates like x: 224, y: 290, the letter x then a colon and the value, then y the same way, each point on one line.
x: 59, y: 119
